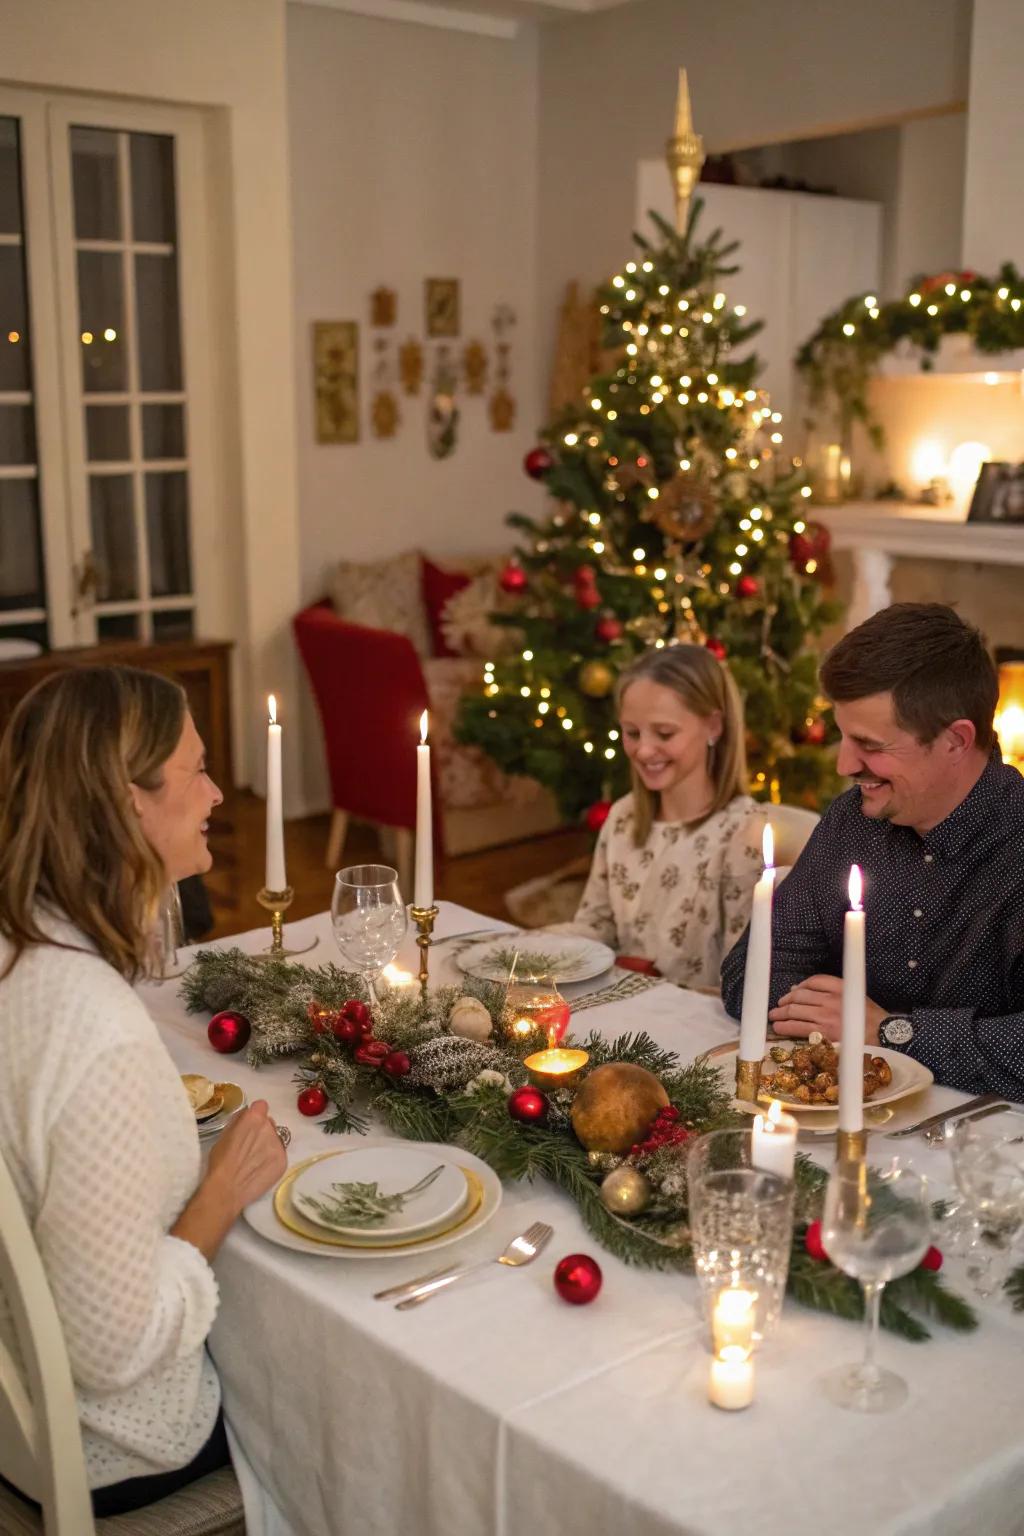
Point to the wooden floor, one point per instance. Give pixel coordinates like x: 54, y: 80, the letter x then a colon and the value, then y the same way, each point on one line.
x: 476, y: 880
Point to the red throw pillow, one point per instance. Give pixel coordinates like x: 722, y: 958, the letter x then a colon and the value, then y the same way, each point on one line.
x: 438, y: 586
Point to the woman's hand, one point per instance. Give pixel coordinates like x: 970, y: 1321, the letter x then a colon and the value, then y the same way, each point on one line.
x: 247, y: 1160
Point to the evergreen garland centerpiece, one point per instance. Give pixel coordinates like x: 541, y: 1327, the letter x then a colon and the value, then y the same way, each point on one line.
x: 404, y: 1065
x: 676, y: 517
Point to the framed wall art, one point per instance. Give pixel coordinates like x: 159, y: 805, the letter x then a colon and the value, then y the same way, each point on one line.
x: 441, y: 300
x: 336, y: 380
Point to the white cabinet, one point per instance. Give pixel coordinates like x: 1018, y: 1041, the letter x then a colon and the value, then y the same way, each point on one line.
x: 800, y: 256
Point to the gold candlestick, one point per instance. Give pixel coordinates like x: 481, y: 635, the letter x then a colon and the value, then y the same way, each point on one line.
x: 748, y: 1080
x: 684, y: 153
x: 277, y: 904
x: 424, y: 918
x: 851, y: 1146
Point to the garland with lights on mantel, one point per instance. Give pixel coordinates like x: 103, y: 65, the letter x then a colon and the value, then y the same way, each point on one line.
x: 838, y: 361
x: 449, y: 1067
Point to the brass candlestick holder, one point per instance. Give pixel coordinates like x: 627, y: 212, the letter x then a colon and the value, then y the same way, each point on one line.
x: 851, y: 1146
x: 277, y: 904
x: 748, y: 1080
x: 424, y: 918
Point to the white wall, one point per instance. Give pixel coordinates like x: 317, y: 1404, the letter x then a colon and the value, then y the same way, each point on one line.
x: 413, y: 155
x: 928, y: 219
x: 226, y: 56
x: 993, y: 206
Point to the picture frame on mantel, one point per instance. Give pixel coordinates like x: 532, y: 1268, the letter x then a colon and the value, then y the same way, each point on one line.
x: 999, y: 494
x: 336, y: 380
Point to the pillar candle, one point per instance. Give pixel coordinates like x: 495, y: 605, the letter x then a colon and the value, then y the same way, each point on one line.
x: 731, y: 1384
x: 773, y: 1142
x: 423, y: 887
x: 275, y: 877
x: 851, y: 1050
x: 757, y: 974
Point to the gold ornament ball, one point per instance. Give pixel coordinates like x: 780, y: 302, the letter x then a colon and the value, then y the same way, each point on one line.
x: 615, y: 1105
x: 625, y: 1192
x: 596, y: 679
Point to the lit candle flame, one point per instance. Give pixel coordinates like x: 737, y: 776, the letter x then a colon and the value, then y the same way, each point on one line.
x: 272, y: 707
x: 856, y: 887
x: 773, y: 1116
x: 423, y: 728
x: 768, y: 846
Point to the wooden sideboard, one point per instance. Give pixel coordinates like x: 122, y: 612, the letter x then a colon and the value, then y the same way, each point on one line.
x: 202, y: 667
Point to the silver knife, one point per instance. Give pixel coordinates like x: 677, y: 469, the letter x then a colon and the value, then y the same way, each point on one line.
x: 955, y: 1112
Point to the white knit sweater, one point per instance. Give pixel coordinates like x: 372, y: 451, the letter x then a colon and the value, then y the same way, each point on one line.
x: 101, y: 1142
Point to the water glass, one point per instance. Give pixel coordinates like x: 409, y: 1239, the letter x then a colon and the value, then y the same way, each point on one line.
x: 876, y: 1226
x: 167, y: 935
x: 369, y: 919
x: 741, y: 1225
x: 988, y: 1165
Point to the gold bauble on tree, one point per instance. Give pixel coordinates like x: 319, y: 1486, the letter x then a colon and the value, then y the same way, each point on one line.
x: 596, y: 679
x: 615, y: 1105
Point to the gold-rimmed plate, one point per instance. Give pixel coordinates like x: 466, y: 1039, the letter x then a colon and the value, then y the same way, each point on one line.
x: 908, y: 1077
x: 232, y: 1099
x: 275, y: 1218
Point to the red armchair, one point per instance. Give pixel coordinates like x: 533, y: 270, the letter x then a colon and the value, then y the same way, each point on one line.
x: 371, y: 687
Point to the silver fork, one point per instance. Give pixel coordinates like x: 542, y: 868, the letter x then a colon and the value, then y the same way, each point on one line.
x: 521, y: 1250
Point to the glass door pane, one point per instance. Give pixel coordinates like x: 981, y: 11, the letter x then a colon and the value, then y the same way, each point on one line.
x: 22, y: 571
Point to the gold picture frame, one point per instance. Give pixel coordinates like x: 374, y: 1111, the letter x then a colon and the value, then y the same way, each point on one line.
x: 336, y: 380
x: 441, y: 306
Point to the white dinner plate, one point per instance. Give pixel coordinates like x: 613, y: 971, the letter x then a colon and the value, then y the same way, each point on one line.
x: 484, y: 1205
x: 393, y: 1169
x: 908, y: 1076
x: 557, y: 957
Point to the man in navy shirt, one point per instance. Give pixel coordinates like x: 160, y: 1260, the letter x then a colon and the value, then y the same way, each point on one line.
x: 936, y: 822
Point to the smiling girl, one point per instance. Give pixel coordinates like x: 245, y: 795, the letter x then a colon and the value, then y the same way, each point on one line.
x: 678, y: 857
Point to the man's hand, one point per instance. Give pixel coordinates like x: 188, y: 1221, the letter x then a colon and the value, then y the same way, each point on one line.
x: 817, y: 1004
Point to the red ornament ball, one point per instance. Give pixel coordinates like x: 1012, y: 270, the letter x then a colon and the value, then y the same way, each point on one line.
x: 578, y: 1279
x: 371, y: 1053
x: 715, y: 646
x: 397, y: 1064
x: 597, y: 814
x: 747, y: 586
x: 347, y: 1031
x: 312, y: 1100
x: 513, y: 579
x: 812, y: 1241
x: 527, y: 1105
x: 608, y: 628
x: 932, y: 1259
x: 356, y: 1012
x: 537, y: 463
x: 229, y: 1032
x: 588, y: 598
x: 584, y: 576
x: 813, y: 734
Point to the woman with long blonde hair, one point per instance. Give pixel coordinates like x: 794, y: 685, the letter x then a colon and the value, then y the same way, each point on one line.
x: 104, y: 802
x: 678, y: 857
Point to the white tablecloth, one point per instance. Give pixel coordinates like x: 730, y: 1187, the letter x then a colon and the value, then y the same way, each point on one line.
x: 501, y: 1410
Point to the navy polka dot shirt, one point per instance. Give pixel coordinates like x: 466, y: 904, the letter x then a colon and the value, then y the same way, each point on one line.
x: 945, y: 928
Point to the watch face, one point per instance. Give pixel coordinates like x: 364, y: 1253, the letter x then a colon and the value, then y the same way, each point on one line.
x: 896, y: 1031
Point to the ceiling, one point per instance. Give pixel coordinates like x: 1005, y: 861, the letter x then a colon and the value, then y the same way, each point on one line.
x: 495, y: 18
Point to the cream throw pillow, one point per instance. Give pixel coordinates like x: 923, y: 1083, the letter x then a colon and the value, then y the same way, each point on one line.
x: 384, y: 594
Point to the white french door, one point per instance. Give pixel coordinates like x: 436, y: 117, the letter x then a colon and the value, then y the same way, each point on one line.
x: 105, y: 465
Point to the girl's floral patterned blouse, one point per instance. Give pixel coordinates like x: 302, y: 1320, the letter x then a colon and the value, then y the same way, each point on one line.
x: 681, y: 900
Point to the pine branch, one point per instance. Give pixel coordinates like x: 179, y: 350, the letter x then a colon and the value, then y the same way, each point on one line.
x: 1015, y: 1288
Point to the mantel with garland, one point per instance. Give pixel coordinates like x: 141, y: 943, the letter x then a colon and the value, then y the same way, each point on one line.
x: 450, y: 1068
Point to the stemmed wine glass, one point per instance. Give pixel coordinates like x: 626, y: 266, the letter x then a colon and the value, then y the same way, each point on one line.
x: 875, y: 1227
x: 369, y: 919
x: 988, y: 1163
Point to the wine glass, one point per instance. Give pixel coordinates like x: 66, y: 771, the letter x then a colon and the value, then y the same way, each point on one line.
x: 988, y: 1164
x: 369, y: 919
x: 876, y: 1227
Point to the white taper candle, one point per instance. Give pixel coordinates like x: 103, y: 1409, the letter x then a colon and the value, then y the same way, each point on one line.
x: 275, y: 878
x: 757, y: 973
x: 423, y: 884
x: 851, y: 1050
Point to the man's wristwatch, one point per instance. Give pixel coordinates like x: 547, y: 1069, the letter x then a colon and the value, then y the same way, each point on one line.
x: 896, y: 1030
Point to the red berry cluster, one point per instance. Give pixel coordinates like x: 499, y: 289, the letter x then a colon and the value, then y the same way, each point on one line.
x: 664, y: 1131
x: 351, y: 1025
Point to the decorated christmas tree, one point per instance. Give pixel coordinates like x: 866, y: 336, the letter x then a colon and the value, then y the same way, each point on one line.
x: 676, y: 516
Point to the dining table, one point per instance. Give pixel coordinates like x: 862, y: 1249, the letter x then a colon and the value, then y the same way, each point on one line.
x: 498, y: 1410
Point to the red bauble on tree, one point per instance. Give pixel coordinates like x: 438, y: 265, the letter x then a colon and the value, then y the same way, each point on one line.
x: 229, y: 1032
x: 527, y: 1105
x: 513, y: 579
x: 608, y: 628
x: 587, y: 598
x: 715, y: 646
x: 812, y: 734
x: 813, y: 543
x: 747, y: 586
x: 537, y: 462
x: 597, y: 814
x: 578, y: 1279
x: 312, y: 1100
